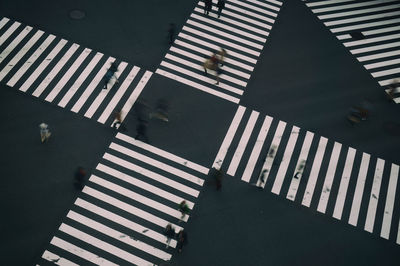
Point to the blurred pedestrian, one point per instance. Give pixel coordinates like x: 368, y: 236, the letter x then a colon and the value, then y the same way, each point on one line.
x: 300, y: 169
x: 210, y: 63
x: 80, y: 175
x: 184, y: 209
x: 207, y: 6
x: 142, y: 111
x: 110, y: 74
x: 161, y: 110
x: 44, y: 132
x: 218, y: 175
x: 220, y: 5
x: 169, y: 232
x: 393, y: 88
x: 118, y: 121
x: 171, y: 33
x: 141, y: 132
x: 182, y: 240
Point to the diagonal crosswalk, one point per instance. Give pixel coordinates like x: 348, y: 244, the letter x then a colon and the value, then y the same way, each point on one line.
x: 66, y: 74
x: 312, y: 170
x: 241, y: 30
x: 371, y: 32
x: 132, y: 195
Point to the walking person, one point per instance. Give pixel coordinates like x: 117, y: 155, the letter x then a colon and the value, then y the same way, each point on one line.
x: 218, y: 179
x: 169, y: 232
x: 207, y: 6
x: 161, y: 110
x: 141, y: 131
x: 110, y: 74
x: 220, y: 5
x: 80, y: 175
x: 184, y: 209
x: 44, y: 132
x: 210, y: 63
x: 182, y: 240
x: 118, y: 121
x: 171, y: 33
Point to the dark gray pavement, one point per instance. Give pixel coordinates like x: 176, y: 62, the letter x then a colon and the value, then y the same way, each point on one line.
x: 304, y: 77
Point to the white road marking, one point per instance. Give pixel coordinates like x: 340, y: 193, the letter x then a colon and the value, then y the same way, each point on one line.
x: 344, y: 184
x: 237, y: 156
x: 357, y: 198
x: 219, y: 159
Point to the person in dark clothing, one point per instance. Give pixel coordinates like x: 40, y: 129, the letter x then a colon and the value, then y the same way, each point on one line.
x: 184, y: 209
x: 141, y: 130
x: 207, y: 6
x: 110, y: 74
x: 182, y: 240
x: 169, y: 232
x: 220, y: 5
x: 171, y: 33
x: 218, y: 178
x: 80, y: 178
x: 161, y: 110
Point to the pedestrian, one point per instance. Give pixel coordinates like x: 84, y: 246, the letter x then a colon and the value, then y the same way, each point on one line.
x: 300, y: 169
x: 220, y: 5
x: 207, y: 6
x: 210, y: 63
x: 171, y: 33
x: 392, y: 89
x: 80, y: 177
x: 142, y: 111
x: 110, y: 74
x: 169, y: 232
x: 182, y: 240
x: 44, y: 132
x: 184, y: 209
x: 161, y: 110
x: 141, y: 130
x: 217, y: 174
x: 118, y: 121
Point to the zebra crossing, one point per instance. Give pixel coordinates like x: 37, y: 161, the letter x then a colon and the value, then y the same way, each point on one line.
x: 119, y: 217
x: 313, y: 171
x: 371, y: 32
x: 66, y: 74
x: 242, y: 30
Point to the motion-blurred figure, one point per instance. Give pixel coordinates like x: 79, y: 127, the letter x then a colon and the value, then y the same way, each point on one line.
x: 220, y: 5
x: 171, y: 33
x: 184, y: 209
x: 182, y: 240
x: 161, y: 110
x: 80, y: 175
x: 169, y: 232
x: 44, y: 132
x: 110, y: 74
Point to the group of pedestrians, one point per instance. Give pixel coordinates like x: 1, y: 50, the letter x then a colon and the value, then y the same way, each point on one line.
x: 208, y: 6
x: 181, y: 236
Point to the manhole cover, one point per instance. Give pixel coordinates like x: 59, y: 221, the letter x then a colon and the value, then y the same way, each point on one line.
x: 77, y: 14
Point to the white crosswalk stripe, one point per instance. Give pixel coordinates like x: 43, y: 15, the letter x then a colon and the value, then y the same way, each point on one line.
x: 368, y: 29
x: 241, y: 30
x: 67, y: 74
x: 311, y: 170
x: 123, y: 210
